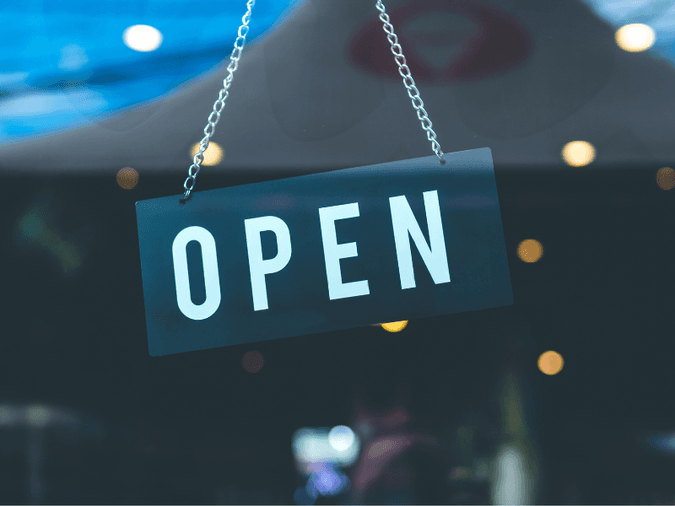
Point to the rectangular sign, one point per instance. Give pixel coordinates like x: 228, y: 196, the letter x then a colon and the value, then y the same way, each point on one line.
x: 323, y: 252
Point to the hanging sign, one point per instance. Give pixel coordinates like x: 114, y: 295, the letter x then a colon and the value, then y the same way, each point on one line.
x: 323, y: 252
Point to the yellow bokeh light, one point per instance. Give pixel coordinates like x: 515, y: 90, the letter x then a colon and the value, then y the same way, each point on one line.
x: 394, y: 326
x: 578, y: 153
x: 530, y: 250
x: 142, y: 38
x: 665, y: 178
x: 212, y: 156
x: 127, y: 178
x: 550, y: 362
x: 635, y: 37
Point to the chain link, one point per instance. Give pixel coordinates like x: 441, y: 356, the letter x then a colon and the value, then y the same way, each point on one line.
x: 408, y: 81
x: 218, y: 106
x: 239, y: 43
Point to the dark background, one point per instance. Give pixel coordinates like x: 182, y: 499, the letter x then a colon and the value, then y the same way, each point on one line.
x: 188, y: 428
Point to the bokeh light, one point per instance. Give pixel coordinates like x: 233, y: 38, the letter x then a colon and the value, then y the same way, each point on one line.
x: 127, y: 178
x: 635, y: 37
x: 389, y: 445
x: 73, y: 57
x: 530, y: 250
x: 313, y: 448
x: 253, y: 361
x: 341, y: 438
x: 37, y: 415
x: 665, y: 178
x: 550, y: 362
x: 6, y: 415
x: 394, y: 326
x: 142, y: 38
x: 34, y: 227
x: 578, y: 153
x: 213, y: 154
x: 512, y: 483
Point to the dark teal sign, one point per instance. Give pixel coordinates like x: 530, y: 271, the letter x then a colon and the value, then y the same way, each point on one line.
x: 323, y: 252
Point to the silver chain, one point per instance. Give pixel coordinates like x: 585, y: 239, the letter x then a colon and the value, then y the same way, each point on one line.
x: 239, y: 43
x: 409, y: 82
x: 218, y: 106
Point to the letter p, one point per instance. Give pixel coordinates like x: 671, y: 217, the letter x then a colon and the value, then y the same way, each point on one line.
x: 259, y: 268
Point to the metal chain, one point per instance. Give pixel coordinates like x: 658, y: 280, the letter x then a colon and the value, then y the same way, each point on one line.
x: 218, y: 106
x: 239, y: 43
x: 409, y: 82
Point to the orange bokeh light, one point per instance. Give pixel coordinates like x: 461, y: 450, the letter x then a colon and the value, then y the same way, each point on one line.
x: 127, y: 178
x: 394, y: 326
x: 550, y: 363
x: 665, y: 178
x: 530, y: 250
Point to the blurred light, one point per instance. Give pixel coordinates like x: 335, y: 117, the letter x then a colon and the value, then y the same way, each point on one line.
x: 665, y: 442
x: 127, y: 178
x: 327, y: 481
x: 12, y: 78
x: 578, y: 153
x: 253, y: 361
x: 511, y: 483
x: 33, y: 228
x: 312, y: 446
x: 7, y: 415
x: 213, y: 154
x: 341, y: 438
x: 461, y: 473
x: 550, y: 362
x: 635, y: 37
x: 142, y: 38
x: 37, y: 415
x: 665, y: 178
x: 73, y: 57
x: 394, y: 326
x: 530, y: 250
x: 381, y: 447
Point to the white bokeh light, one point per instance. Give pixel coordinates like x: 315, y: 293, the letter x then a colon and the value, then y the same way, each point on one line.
x: 512, y: 482
x: 37, y: 415
x: 635, y: 37
x: 311, y: 446
x: 341, y: 438
x: 142, y: 38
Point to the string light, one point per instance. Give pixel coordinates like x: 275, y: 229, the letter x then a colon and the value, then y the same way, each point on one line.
x: 550, y: 363
x: 635, y: 37
x: 578, y: 153
x: 530, y: 250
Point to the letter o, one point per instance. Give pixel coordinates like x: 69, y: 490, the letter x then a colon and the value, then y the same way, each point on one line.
x: 211, y: 276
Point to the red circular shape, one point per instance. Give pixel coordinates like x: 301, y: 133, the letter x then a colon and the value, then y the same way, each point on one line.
x: 500, y: 44
x: 253, y: 361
